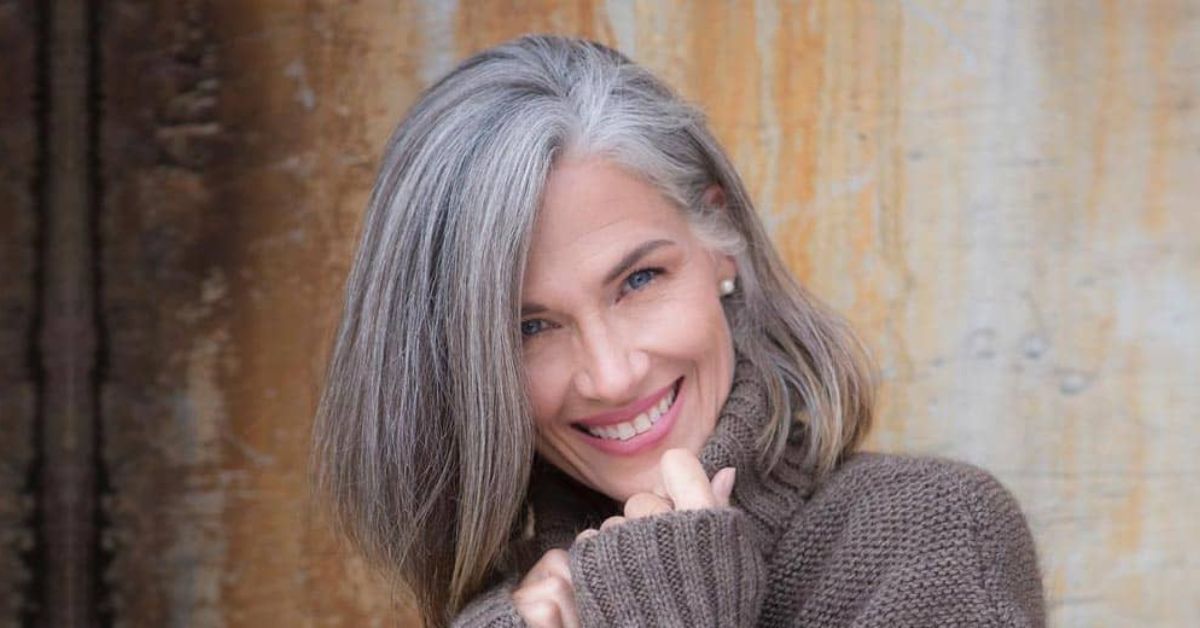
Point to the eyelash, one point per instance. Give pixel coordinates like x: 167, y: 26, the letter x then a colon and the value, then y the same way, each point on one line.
x: 653, y: 272
x: 625, y: 289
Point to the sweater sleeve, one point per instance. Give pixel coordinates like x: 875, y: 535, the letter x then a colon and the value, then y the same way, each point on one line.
x: 491, y: 609
x: 685, y: 568
x: 929, y: 542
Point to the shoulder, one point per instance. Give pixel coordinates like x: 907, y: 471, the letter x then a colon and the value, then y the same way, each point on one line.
x: 928, y: 538
x: 900, y: 467
x: 910, y: 510
x: 918, y: 486
x: 910, y: 505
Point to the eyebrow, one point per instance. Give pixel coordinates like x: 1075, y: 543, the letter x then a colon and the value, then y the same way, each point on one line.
x: 632, y: 258
x: 625, y: 264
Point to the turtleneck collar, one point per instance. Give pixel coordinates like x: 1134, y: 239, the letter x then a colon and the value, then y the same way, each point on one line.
x: 562, y: 507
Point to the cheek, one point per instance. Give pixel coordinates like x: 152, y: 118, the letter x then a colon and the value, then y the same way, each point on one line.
x: 546, y: 386
x: 689, y: 324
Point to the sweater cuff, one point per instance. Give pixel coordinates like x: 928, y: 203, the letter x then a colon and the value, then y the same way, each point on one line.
x: 683, y: 568
x: 493, y: 608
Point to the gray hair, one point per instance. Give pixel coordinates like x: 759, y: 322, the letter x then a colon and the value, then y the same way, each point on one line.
x: 423, y: 439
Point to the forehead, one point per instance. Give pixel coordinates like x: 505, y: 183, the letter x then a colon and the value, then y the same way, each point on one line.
x: 592, y: 205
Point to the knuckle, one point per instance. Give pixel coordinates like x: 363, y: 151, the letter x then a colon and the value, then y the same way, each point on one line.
x: 558, y: 587
x: 541, y: 612
x: 551, y: 563
x: 612, y: 521
x: 559, y: 561
x: 643, y: 504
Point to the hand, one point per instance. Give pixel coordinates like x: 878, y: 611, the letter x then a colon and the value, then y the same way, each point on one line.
x: 545, y: 598
x: 687, y: 488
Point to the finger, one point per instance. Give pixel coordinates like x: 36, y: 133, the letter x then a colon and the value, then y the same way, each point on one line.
x: 570, y: 613
x: 645, y: 505
x: 612, y: 522
x: 568, y: 610
x: 586, y: 534
x: 549, y: 588
x: 558, y: 564
x: 555, y: 562
x: 722, y: 485
x: 539, y: 613
x: 685, y: 480
x: 557, y: 591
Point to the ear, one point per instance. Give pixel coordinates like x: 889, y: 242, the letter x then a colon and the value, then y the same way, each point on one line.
x: 726, y: 267
x: 714, y: 195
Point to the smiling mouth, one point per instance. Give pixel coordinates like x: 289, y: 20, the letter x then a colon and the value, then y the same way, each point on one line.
x: 640, y: 424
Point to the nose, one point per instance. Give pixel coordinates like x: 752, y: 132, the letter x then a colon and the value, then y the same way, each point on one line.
x: 610, y: 369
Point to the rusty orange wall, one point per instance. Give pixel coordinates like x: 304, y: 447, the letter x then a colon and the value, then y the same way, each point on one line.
x: 1001, y: 195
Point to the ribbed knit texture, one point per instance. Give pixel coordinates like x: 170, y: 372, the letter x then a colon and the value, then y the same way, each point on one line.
x: 882, y: 541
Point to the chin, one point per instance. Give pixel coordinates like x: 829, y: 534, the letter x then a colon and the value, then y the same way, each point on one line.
x: 647, y: 482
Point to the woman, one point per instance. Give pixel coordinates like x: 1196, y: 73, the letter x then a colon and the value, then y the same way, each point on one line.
x: 575, y: 385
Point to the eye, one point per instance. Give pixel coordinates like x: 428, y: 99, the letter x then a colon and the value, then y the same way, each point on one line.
x: 532, y: 327
x: 641, y: 278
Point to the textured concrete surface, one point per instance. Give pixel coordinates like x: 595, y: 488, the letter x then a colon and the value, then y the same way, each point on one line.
x: 1000, y: 195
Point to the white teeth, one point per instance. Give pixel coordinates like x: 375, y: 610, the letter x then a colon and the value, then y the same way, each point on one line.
x: 643, y: 422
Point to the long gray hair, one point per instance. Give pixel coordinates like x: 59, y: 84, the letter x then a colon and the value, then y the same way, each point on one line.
x: 423, y: 440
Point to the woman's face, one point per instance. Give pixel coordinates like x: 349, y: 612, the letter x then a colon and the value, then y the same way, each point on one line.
x: 627, y: 351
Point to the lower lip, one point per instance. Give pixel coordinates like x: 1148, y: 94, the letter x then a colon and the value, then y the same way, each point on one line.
x: 643, y: 441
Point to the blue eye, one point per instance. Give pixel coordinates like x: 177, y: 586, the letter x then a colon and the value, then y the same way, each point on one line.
x: 532, y: 327
x: 641, y: 278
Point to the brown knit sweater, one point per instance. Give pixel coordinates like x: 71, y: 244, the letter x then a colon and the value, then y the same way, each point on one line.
x: 882, y: 541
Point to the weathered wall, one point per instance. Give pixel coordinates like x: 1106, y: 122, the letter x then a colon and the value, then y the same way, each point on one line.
x: 223, y: 245
x: 999, y: 194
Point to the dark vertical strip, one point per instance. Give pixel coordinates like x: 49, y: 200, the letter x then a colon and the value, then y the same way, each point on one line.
x: 67, y: 342
x: 36, y: 558
x: 21, y: 158
x: 101, y: 558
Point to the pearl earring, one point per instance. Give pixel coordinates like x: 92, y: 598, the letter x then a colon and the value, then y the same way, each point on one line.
x: 727, y: 287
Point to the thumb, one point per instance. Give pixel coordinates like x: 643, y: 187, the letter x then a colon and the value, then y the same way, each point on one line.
x: 722, y: 485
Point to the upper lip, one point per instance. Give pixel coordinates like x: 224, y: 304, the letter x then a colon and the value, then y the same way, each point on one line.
x: 629, y: 412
